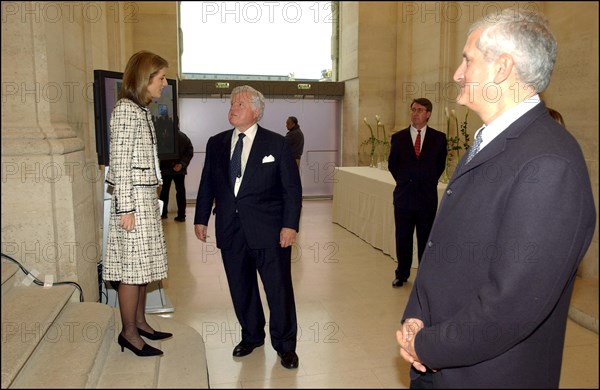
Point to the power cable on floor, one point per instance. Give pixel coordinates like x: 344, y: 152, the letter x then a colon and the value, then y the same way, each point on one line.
x: 39, y: 282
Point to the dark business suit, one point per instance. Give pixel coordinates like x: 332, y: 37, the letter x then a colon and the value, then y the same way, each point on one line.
x: 415, y: 194
x: 495, y: 281
x: 248, y: 227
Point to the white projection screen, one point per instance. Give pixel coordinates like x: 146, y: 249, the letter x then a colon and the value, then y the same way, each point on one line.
x: 319, y: 119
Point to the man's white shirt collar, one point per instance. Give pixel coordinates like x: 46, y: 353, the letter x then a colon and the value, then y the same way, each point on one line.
x: 414, y: 130
x: 501, y: 123
x: 250, y: 133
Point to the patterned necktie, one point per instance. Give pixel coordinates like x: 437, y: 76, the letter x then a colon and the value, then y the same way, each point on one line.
x: 235, y: 165
x: 418, y: 143
x: 476, y: 145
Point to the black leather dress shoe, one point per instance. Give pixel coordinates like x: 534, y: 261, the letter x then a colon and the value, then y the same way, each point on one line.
x: 397, y: 283
x: 244, y: 348
x: 179, y: 219
x: 289, y: 359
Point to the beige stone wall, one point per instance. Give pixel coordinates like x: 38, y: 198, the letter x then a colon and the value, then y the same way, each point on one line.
x: 155, y: 29
x: 348, y: 72
x: 50, y: 206
x: 368, y: 66
x: 573, y: 90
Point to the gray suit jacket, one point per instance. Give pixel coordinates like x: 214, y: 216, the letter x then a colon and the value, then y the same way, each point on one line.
x: 496, y: 278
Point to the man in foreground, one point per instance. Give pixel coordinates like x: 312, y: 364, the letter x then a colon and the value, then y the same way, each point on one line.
x: 490, y: 301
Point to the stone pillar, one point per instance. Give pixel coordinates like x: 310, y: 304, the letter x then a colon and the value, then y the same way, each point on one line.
x: 48, y: 211
x: 367, y: 64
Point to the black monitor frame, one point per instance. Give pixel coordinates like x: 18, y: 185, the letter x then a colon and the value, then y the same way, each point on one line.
x: 107, y: 85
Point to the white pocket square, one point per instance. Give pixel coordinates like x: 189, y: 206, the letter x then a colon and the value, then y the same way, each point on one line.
x: 268, y: 159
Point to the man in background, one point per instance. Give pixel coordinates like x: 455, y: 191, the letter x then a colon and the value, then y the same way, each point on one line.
x: 295, y: 138
x: 175, y: 171
x: 417, y: 160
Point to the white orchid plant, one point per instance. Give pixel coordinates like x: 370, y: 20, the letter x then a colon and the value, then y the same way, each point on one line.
x: 375, y: 142
x: 455, y: 144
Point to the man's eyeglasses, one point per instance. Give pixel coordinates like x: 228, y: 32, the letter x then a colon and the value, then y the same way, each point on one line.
x: 419, y: 110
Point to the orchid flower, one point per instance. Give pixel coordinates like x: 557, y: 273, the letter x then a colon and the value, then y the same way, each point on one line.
x: 368, y: 125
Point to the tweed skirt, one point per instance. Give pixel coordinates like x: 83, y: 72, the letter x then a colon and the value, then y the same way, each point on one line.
x: 139, y: 256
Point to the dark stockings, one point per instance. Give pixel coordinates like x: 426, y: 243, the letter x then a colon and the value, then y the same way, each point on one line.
x: 132, y: 305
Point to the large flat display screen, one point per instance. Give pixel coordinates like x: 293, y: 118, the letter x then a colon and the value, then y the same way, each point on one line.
x: 107, y: 85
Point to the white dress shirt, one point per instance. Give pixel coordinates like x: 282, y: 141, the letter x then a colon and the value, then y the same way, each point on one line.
x: 247, y: 142
x: 413, y: 135
x: 500, y: 124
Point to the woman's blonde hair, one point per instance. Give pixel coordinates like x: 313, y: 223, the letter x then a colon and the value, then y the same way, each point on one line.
x: 140, y: 69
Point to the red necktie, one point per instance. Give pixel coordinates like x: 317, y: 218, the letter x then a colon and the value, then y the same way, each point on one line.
x: 418, y: 143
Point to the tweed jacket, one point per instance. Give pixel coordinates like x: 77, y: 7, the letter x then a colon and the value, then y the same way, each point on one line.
x: 495, y: 281
x: 133, y: 153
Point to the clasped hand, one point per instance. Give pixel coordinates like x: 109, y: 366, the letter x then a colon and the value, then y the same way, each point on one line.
x: 406, y: 339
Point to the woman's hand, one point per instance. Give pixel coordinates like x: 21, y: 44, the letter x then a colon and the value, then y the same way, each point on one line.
x: 127, y: 222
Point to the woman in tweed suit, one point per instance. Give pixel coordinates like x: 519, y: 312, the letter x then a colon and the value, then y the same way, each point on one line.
x: 136, y: 253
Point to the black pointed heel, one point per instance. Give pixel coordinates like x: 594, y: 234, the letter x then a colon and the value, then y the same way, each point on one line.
x: 146, y: 350
x: 154, y: 336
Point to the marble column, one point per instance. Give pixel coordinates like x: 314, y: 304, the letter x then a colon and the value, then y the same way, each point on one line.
x: 48, y: 212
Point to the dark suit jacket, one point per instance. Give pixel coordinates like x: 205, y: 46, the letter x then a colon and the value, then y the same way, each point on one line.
x: 496, y: 278
x: 185, y: 153
x: 417, y: 178
x: 270, y: 195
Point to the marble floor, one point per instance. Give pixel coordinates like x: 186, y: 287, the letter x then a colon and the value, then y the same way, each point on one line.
x: 347, y: 311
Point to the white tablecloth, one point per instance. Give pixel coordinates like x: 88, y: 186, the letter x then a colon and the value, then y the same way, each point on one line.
x: 363, y: 204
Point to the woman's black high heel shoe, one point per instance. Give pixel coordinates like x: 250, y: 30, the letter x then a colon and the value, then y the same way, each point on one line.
x: 154, y: 336
x: 146, y: 350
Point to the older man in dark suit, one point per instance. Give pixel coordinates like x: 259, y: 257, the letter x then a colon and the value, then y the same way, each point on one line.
x: 251, y: 176
x: 489, y: 305
x: 417, y: 160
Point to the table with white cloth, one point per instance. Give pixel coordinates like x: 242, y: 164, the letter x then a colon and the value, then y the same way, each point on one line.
x: 363, y: 203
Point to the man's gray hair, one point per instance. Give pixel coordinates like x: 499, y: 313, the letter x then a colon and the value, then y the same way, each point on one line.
x: 524, y: 35
x: 257, y: 98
